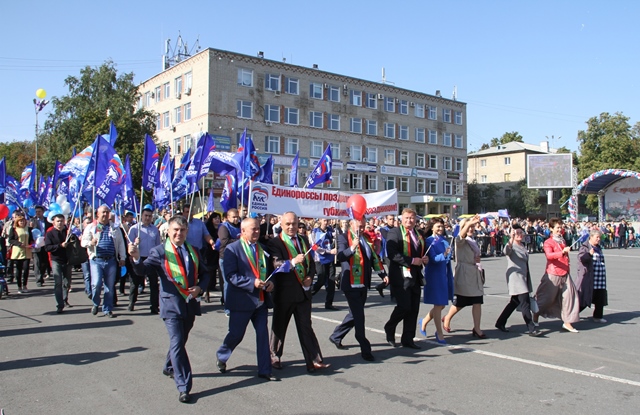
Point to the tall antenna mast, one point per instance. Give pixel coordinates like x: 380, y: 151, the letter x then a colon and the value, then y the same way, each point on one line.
x: 384, y: 78
x: 179, y: 52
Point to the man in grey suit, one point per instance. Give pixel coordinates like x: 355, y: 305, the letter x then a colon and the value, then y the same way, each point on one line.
x: 183, y: 277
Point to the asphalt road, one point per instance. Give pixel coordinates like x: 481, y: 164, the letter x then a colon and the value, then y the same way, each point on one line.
x: 76, y: 363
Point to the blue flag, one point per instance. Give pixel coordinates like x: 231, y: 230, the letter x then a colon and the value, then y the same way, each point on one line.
x: 179, y: 182
x: 246, y: 158
x: 109, y: 171
x: 27, y: 179
x: 293, y: 175
x: 229, y: 197
x: 266, y: 172
x: 129, y: 201
x: 12, y: 191
x: 113, y: 134
x: 210, y: 202
x: 3, y: 175
x: 162, y: 192
x: 322, y: 172
x: 206, y: 156
x: 150, y: 160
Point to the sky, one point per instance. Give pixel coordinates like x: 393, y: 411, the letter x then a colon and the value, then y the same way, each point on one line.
x: 541, y: 68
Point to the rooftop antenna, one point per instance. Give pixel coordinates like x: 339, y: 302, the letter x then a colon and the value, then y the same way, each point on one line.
x: 384, y: 78
x: 455, y: 93
x: 179, y: 52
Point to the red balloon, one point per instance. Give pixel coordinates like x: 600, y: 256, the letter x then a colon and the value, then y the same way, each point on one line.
x: 358, y: 206
x: 4, y: 211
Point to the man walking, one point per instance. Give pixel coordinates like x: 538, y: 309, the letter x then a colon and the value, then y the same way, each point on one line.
x: 41, y: 266
x: 325, y: 262
x: 145, y: 236
x: 55, y: 243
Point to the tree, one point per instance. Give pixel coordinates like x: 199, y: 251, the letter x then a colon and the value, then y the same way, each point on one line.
x: 507, y: 138
x: 523, y: 201
x: 99, y: 95
x: 473, y: 194
x: 18, y: 154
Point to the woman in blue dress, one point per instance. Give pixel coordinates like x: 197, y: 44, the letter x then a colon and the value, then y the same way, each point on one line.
x: 438, y: 288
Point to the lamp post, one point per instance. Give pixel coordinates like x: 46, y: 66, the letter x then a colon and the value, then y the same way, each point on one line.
x: 38, y: 104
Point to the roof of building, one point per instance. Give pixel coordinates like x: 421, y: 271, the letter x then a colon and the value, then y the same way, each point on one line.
x: 512, y: 147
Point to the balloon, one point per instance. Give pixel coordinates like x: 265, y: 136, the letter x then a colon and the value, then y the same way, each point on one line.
x: 41, y: 93
x: 36, y: 233
x: 123, y: 271
x: 51, y: 215
x: 55, y: 206
x: 66, y: 208
x: 31, y: 211
x: 27, y: 203
x: 61, y: 199
x: 358, y: 206
x: 12, y: 208
x: 454, y: 206
x: 4, y: 211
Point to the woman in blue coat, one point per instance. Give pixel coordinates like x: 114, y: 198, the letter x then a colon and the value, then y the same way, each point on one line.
x: 438, y: 288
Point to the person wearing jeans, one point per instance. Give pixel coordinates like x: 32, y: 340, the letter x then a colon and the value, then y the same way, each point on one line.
x: 55, y: 244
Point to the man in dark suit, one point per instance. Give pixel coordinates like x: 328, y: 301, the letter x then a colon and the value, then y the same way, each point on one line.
x: 248, y: 296
x: 183, y: 277
x: 292, y: 295
x: 406, y: 253
x: 357, y: 257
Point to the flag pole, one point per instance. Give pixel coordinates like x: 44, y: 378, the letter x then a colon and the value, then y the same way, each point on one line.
x: 249, y: 207
x: 139, y: 213
x: 242, y: 193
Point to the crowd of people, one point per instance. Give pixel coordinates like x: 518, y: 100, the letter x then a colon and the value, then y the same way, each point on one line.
x: 281, y: 262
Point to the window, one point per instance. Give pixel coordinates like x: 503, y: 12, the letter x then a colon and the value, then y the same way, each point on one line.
x: 458, y: 118
x: 167, y: 90
x: 177, y: 145
x: 245, y: 77
x: 271, y: 82
x: 372, y: 102
x: 448, y: 189
x: 404, y: 158
x: 483, y: 179
x: 446, y: 163
x: 315, y: 119
x: 189, y: 143
x: 446, y: 115
x: 433, y: 161
x: 459, y: 188
x: 403, y: 132
x: 390, y: 157
x: 178, y: 114
x: 272, y: 113
x: 507, y: 177
x: 335, y: 181
x: 356, y: 153
x: 178, y: 84
x: 404, y: 107
x: 157, y: 94
x: 433, y: 187
x: 446, y: 139
x: 433, y: 137
x: 188, y: 81
x: 334, y: 93
x: 292, y: 86
x: 404, y: 185
x: 272, y: 144
x: 158, y: 122
x: 316, y: 91
x: 291, y: 116
x: 420, y: 160
x: 390, y: 183
x: 372, y: 155
x: 187, y: 111
x: 433, y: 113
x: 147, y: 99
x: 244, y: 109
x: 483, y: 193
x: 334, y: 122
x: 458, y: 140
x: 507, y: 193
x: 355, y: 180
x: 355, y: 125
x: 291, y: 148
x: 459, y: 164
x: 421, y: 186
x: 316, y: 149
x: 419, y: 111
x: 167, y: 119
x: 389, y: 104
x: 483, y: 163
x: 372, y: 182
x: 356, y: 98
x: 419, y: 135
x: 372, y: 127
x: 389, y: 130
x: 507, y: 161
x: 335, y: 150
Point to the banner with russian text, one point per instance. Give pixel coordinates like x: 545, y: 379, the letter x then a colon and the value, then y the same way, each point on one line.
x: 317, y: 203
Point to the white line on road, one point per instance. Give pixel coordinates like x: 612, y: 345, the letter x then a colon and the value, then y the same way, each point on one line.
x: 511, y: 358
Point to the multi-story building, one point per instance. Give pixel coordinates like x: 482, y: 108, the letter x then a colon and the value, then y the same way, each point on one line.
x: 504, y: 166
x: 381, y: 136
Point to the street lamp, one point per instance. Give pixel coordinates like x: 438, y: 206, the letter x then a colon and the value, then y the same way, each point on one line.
x: 39, y: 103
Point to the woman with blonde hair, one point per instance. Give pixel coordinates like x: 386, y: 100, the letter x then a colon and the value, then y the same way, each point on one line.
x: 21, y: 241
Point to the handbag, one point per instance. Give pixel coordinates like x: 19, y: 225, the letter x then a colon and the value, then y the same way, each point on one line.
x: 76, y: 254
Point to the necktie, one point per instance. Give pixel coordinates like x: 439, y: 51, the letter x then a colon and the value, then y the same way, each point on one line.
x: 185, y: 258
x: 253, y: 251
x: 413, y: 238
x: 297, y: 245
x: 366, y: 246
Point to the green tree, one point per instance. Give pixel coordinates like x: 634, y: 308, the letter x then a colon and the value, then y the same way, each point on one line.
x: 608, y: 142
x: 507, y: 138
x: 474, y: 191
x: 18, y: 154
x: 523, y: 202
x: 96, y: 97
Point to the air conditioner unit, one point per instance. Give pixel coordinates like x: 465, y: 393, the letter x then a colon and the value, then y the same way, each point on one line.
x: 412, y: 104
x: 345, y: 91
x: 268, y: 123
x: 179, y: 96
x: 153, y: 95
x: 347, y: 154
x: 305, y: 175
x: 276, y: 93
x: 364, y: 159
x: 345, y: 180
x: 326, y: 85
x: 397, y: 100
x: 187, y: 91
x: 173, y: 128
x: 380, y: 96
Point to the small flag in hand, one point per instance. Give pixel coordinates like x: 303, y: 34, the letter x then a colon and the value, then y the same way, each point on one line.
x: 285, y: 267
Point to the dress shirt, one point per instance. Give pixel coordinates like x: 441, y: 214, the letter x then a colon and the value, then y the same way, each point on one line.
x: 149, y: 237
x: 196, y: 234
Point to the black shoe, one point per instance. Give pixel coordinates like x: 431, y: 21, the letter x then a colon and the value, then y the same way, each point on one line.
x: 269, y: 377
x: 276, y: 365
x: 380, y: 288
x: 222, y: 366
x: 391, y: 341
x: 168, y: 373
x: 331, y: 307
x: 66, y: 303
x: 59, y: 310
x: 94, y: 310
x: 502, y: 328
x: 535, y: 333
x: 39, y: 284
x: 110, y: 314
x: 368, y: 357
x: 338, y: 345
x: 411, y: 345
x: 155, y: 311
x: 184, y: 397
x: 131, y: 306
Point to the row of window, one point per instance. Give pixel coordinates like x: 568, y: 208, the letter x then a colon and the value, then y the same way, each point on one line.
x: 322, y: 91
x: 507, y: 178
x: 182, y: 84
x: 181, y: 113
x: 507, y: 162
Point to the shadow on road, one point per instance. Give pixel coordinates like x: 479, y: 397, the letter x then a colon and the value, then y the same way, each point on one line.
x: 67, y: 359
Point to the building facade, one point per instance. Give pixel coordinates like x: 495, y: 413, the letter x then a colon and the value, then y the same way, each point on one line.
x: 382, y: 137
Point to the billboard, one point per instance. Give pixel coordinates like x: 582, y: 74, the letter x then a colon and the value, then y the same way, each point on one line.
x: 549, y: 171
x: 622, y: 200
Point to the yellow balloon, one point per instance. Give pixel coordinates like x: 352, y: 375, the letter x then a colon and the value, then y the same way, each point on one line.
x: 41, y: 93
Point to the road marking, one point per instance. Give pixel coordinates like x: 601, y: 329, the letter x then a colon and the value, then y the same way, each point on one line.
x: 507, y: 357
